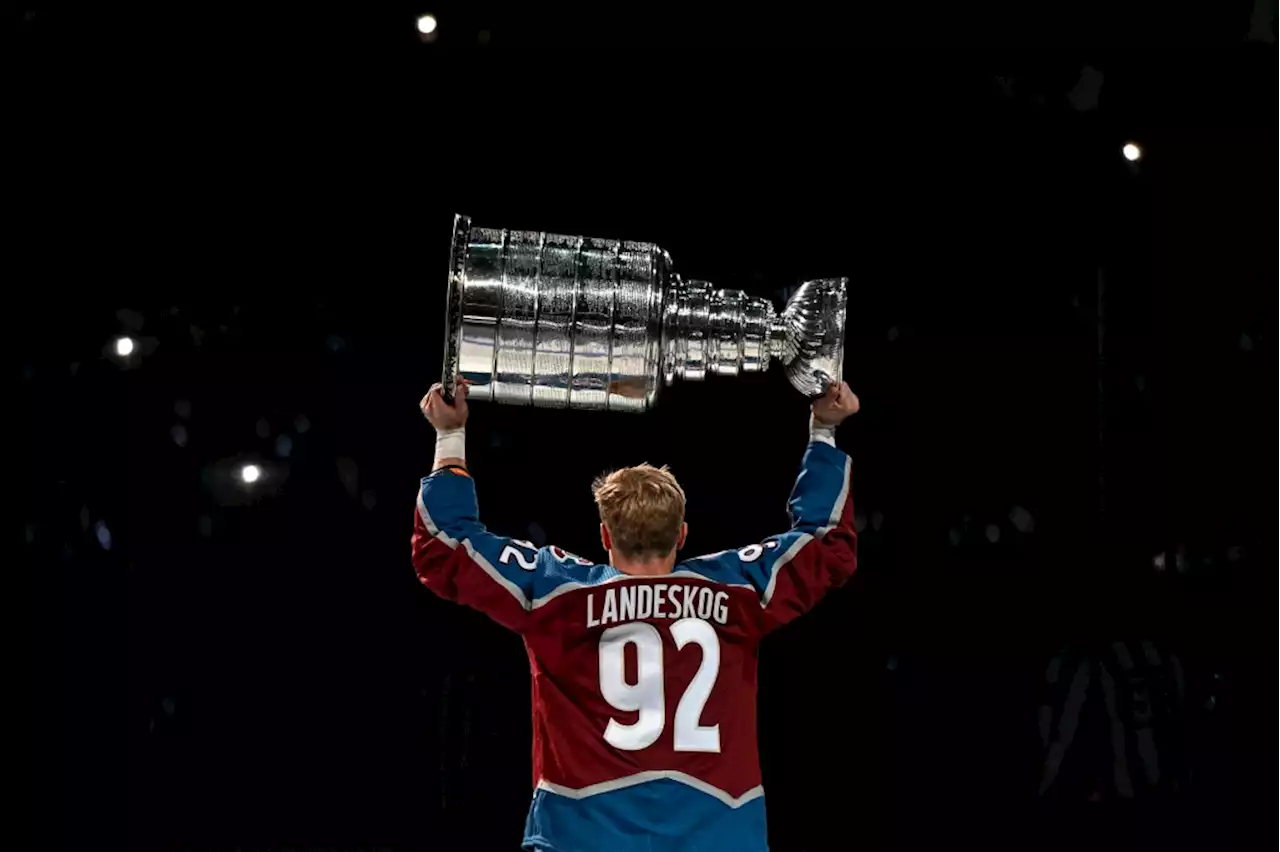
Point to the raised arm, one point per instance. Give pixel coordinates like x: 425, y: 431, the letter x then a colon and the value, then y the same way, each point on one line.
x: 453, y: 554
x: 794, y: 570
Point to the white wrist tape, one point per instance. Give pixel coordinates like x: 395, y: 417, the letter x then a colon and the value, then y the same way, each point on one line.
x: 821, y: 432
x: 451, y: 444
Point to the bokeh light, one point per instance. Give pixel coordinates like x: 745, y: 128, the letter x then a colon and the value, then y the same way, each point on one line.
x: 125, y: 346
x: 1022, y: 520
x: 427, y: 24
x: 1132, y: 152
x: 250, y: 474
x: 103, y: 533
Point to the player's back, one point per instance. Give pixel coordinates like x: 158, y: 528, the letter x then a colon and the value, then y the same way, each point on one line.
x: 644, y: 707
x: 643, y: 686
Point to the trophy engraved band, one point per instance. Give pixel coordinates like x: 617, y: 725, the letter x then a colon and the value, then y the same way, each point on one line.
x: 572, y: 322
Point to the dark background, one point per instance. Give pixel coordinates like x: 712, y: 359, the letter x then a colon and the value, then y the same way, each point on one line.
x: 262, y: 198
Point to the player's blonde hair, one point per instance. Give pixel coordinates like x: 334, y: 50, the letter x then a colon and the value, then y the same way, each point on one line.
x: 643, y: 507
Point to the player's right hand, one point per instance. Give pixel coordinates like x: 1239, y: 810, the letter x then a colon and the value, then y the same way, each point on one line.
x: 835, y: 405
x: 441, y: 414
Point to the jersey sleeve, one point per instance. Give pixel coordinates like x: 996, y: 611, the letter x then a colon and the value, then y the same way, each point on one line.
x: 794, y: 570
x: 458, y: 559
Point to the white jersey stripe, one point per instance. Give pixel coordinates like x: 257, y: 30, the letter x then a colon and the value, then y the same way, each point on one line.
x: 836, y: 511
x: 435, y: 531
x: 795, y: 548
x: 484, y: 564
x: 653, y: 775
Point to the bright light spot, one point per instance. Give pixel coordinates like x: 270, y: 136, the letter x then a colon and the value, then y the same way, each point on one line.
x: 124, y: 346
x: 103, y: 535
x: 1131, y: 152
x: 427, y: 24
x: 250, y: 473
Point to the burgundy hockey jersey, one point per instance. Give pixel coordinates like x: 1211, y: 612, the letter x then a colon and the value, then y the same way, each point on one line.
x: 644, y: 688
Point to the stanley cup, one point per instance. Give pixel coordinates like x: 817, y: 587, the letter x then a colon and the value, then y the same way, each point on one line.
x: 573, y: 322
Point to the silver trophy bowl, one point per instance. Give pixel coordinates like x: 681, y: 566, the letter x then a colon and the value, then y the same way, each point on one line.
x: 572, y: 322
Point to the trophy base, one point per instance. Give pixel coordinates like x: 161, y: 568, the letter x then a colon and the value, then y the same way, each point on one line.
x: 811, y: 342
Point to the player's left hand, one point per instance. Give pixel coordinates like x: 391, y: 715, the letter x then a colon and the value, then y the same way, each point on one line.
x: 441, y: 414
x: 835, y: 405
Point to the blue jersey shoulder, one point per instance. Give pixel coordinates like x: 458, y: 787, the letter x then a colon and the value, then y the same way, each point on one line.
x: 560, y: 571
x: 724, y: 567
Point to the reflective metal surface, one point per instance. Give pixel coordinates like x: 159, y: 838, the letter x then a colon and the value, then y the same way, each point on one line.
x: 809, y: 338
x: 572, y: 322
